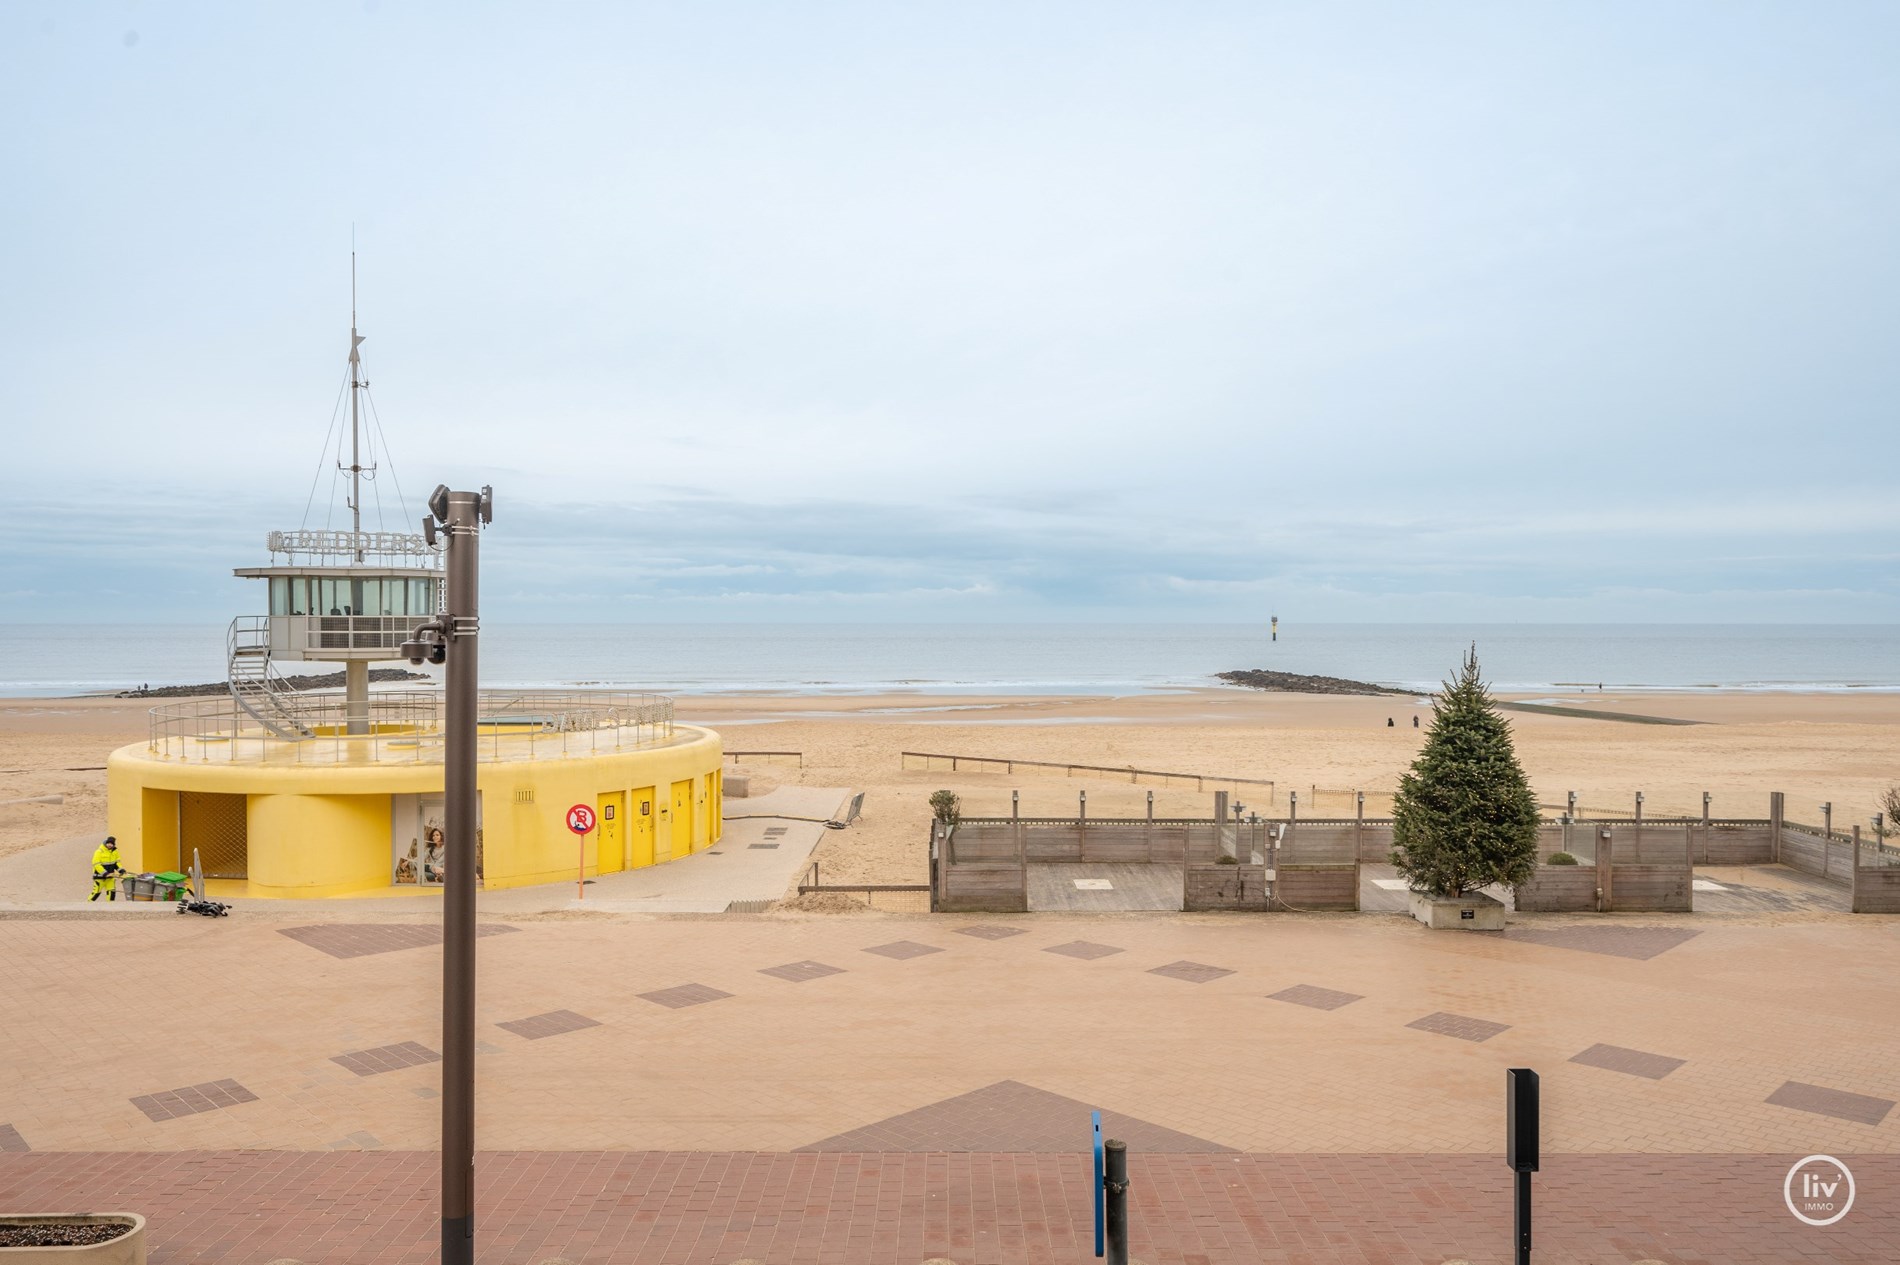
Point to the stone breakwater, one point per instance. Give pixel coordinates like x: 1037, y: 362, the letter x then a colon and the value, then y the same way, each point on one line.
x: 308, y: 681
x: 1295, y: 683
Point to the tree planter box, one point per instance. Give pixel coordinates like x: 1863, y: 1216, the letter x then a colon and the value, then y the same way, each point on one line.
x: 127, y: 1248
x: 1474, y: 911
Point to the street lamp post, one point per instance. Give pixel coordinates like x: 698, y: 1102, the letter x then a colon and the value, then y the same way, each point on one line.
x: 451, y: 638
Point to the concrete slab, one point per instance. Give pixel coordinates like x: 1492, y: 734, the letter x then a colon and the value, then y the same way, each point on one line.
x: 1131, y: 886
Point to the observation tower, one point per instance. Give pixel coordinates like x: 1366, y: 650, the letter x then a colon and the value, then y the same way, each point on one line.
x: 348, y: 597
x: 284, y: 792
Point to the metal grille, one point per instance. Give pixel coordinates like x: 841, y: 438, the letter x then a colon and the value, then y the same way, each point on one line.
x: 215, y: 826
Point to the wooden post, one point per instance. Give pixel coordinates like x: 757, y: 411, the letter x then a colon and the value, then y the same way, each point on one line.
x: 1022, y: 864
x: 1358, y: 826
x: 1827, y: 835
x: 1015, y: 805
x: 1639, y: 808
x: 1853, y: 877
x: 1571, y: 811
x: 1775, y: 807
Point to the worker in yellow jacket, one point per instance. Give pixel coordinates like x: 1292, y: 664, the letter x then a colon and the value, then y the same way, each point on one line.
x: 106, y: 870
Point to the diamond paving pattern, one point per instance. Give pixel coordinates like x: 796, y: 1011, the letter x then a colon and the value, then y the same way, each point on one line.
x: 193, y: 1100
x: 1011, y: 1117
x: 1464, y: 1027
x: 1635, y: 1062
x: 1316, y: 997
x: 990, y: 931
x: 684, y: 995
x: 552, y: 1024
x: 1641, y: 943
x: 1838, y: 1103
x: 362, y: 939
x: 799, y: 972
x: 1083, y: 949
x: 902, y: 949
x: 1192, y: 972
x: 387, y: 1058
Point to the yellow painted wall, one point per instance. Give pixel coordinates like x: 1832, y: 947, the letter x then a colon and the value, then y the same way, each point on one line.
x: 352, y: 832
x: 158, y: 832
x: 642, y: 814
x: 610, y: 818
x: 324, y: 831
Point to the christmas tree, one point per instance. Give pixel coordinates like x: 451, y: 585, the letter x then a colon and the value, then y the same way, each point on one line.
x: 1464, y: 816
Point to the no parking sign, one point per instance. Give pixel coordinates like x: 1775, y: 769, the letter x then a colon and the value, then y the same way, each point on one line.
x: 580, y: 819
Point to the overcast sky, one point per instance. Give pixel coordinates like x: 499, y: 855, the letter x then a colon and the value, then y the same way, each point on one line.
x: 968, y: 311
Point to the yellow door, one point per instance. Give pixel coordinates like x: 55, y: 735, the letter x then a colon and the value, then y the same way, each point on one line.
x: 610, y: 813
x: 683, y: 818
x: 641, y: 809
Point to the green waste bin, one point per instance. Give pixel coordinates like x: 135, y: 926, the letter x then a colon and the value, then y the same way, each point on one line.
x: 173, y: 885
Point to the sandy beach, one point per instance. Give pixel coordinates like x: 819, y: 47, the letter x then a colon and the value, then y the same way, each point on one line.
x: 1842, y: 748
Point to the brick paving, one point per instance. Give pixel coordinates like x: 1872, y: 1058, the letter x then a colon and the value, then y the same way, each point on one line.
x: 1614, y: 1058
x: 1464, y: 1027
x: 365, y: 939
x: 193, y: 1099
x: 386, y: 1058
x: 554, y: 1023
x: 775, y: 1067
x: 1013, y: 1118
x: 659, y: 1208
x: 1839, y: 1103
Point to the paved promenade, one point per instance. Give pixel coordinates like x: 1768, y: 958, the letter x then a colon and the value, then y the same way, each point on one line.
x: 893, y: 1088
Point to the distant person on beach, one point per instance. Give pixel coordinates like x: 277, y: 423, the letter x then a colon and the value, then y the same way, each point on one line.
x: 105, y: 869
x: 1415, y: 722
x: 1389, y: 723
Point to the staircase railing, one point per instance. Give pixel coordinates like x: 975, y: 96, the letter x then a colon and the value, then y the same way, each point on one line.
x: 255, y: 684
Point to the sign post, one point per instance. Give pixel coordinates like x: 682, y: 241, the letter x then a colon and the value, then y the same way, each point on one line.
x: 580, y: 819
x: 1101, y: 1187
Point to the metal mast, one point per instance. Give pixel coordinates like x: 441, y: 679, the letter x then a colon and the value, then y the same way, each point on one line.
x: 356, y: 386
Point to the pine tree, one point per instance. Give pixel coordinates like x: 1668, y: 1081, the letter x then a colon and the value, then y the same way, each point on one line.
x: 1464, y: 816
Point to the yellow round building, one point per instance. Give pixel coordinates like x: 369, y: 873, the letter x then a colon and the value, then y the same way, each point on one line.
x: 326, y: 811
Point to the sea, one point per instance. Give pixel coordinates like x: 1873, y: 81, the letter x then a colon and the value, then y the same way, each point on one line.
x: 47, y: 660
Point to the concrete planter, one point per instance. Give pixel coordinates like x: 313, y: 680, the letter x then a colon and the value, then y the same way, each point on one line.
x: 127, y: 1249
x: 1474, y: 911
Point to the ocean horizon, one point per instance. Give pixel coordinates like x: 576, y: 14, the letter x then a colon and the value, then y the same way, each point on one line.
x: 46, y: 660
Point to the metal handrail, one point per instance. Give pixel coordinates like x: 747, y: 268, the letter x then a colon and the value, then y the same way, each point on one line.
x: 405, y: 726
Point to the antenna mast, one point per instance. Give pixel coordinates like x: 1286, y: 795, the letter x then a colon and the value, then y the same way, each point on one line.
x: 356, y: 387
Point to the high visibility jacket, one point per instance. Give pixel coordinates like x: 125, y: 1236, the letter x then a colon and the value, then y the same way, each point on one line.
x: 105, y: 861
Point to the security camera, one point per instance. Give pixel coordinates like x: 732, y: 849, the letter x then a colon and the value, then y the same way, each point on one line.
x: 439, y: 503
x: 426, y: 642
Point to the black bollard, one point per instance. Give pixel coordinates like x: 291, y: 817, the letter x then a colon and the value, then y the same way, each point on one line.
x: 1521, y: 1148
x: 1115, y: 1180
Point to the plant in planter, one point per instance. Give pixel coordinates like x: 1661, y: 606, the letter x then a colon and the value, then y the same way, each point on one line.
x: 946, y: 807
x: 1561, y: 858
x: 1464, y: 816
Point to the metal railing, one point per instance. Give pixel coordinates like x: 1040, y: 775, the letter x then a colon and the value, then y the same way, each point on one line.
x: 406, y: 727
